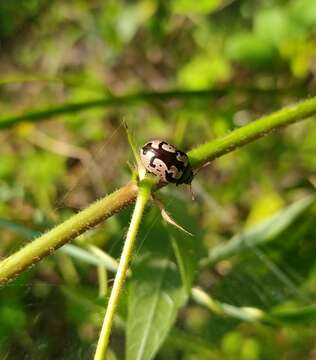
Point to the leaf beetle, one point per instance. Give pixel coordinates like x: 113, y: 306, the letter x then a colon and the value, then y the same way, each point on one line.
x: 167, y: 162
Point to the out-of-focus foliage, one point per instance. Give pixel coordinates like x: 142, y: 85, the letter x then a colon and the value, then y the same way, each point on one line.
x: 263, y: 54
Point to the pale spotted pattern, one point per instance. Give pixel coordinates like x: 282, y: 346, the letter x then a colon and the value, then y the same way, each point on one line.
x: 155, y: 145
x: 164, y: 160
x: 161, y: 169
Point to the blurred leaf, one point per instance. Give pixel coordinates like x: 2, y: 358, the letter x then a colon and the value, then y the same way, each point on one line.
x: 10, y: 192
x: 7, y: 165
x: 189, y: 343
x: 247, y: 48
x: 155, y: 296
x: 274, y: 26
x: 300, y: 53
x: 72, y: 250
x: 190, y: 6
x: 12, y: 317
x: 41, y: 171
x: 133, y: 16
x: 18, y: 229
x: 83, y: 303
x: 14, y: 13
x: 187, y: 249
x: 261, y: 233
x: 267, y: 204
x: 231, y: 344
x: 204, y: 71
x: 250, y: 349
x: 186, y: 257
x: 88, y: 257
x: 304, y: 12
x: 297, y: 316
x: 250, y: 314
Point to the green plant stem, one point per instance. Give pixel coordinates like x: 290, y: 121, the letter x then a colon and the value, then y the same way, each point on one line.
x: 71, y: 228
x: 113, y: 203
x: 276, y: 317
x: 72, y: 107
x: 254, y: 130
x: 141, y: 201
x: 250, y: 314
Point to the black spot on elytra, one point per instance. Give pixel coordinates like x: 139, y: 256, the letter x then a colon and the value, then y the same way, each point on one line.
x: 146, y: 148
x: 152, y: 161
x: 161, y: 144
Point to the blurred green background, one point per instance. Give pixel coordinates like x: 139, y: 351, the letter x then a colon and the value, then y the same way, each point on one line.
x: 251, y: 58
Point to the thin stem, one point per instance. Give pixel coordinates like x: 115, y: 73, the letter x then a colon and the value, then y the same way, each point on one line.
x: 70, y: 229
x: 102, y: 273
x: 250, y: 314
x: 141, y: 201
x: 275, y: 317
x: 71, y: 107
x: 113, y: 203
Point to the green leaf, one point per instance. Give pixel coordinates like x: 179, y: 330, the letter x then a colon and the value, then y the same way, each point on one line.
x: 187, y: 249
x: 304, y: 12
x: 261, y: 233
x: 13, y: 317
x: 247, y: 48
x: 184, y: 341
x: 88, y: 257
x: 82, y: 304
x: 156, y: 293
x: 274, y: 26
x: 74, y: 251
x: 18, y: 229
x: 198, y: 7
x: 296, y: 316
x: 204, y: 71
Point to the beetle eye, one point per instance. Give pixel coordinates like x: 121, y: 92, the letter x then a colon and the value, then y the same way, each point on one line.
x: 182, y: 157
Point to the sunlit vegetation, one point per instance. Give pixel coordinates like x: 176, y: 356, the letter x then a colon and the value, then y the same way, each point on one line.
x: 191, y: 72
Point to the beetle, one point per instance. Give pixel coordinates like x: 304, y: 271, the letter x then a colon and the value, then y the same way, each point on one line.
x: 167, y: 162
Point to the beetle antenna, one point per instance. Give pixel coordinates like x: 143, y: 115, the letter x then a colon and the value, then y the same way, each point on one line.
x: 201, y: 167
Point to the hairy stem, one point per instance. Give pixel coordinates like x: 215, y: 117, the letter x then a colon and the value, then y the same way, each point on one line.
x: 113, y: 203
x: 141, y: 201
x: 254, y: 130
x: 70, y: 229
